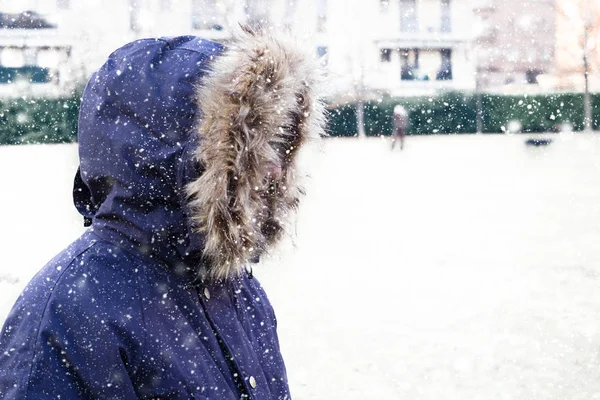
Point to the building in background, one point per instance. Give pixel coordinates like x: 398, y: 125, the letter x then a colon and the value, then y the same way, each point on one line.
x: 395, y: 46
x: 370, y: 47
x: 422, y: 45
x: 34, y: 53
x: 537, y: 45
x: 514, y: 42
x: 67, y: 40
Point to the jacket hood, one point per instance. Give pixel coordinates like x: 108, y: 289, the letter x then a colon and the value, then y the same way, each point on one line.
x: 176, y: 140
x: 260, y: 106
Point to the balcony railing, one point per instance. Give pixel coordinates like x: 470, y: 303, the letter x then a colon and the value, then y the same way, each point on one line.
x: 47, y: 38
x: 430, y: 40
x: 436, y: 37
x: 415, y: 87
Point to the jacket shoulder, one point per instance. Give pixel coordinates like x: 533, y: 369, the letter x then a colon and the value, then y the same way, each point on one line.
x: 87, y: 292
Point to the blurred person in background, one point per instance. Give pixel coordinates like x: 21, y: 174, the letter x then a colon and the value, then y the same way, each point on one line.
x: 187, y: 155
x: 400, y: 123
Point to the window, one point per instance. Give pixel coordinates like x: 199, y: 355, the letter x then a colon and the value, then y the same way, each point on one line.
x: 62, y: 4
x: 409, y: 64
x: 321, y: 16
x: 385, y: 55
x: 512, y: 54
x: 445, y: 72
x: 205, y: 15
x: 257, y: 12
x: 531, y: 76
x: 134, y: 15
x: 30, y: 56
x: 322, y: 54
x: 290, y: 11
x: 547, y: 54
x: 408, y: 16
x: 12, y: 57
x: 446, y: 23
x: 165, y: 5
x: 424, y: 64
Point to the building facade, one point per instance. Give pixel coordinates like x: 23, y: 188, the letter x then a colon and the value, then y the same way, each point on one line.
x: 397, y: 47
x: 34, y: 54
x: 424, y: 45
x: 401, y: 47
x: 514, y: 41
x: 75, y: 37
x: 390, y: 46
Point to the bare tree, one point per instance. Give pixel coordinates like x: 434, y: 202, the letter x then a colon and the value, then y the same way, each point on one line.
x: 577, y: 50
x: 573, y: 19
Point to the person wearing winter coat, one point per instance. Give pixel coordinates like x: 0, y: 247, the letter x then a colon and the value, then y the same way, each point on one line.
x: 187, y: 173
x: 400, y: 124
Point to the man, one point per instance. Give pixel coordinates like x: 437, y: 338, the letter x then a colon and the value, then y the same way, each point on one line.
x: 187, y: 153
x: 400, y: 120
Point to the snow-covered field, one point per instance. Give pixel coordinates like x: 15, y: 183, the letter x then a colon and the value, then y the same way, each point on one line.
x: 464, y: 267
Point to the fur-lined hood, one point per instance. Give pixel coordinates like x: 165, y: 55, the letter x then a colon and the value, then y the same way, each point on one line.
x: 259, y: 105
x: 178, y: 137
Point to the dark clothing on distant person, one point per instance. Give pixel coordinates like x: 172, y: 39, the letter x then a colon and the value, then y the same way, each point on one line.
x: 400, y: 120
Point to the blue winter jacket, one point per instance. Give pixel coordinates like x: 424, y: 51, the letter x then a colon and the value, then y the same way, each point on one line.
x: 129, y: 310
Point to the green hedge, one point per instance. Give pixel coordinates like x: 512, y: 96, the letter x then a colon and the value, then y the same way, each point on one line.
x: 55, y: 120
x: 456, y: 113
x: 30, y: 73
x: 24, y: 121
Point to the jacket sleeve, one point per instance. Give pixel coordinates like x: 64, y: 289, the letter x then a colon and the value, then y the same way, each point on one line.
x: 74, y: 333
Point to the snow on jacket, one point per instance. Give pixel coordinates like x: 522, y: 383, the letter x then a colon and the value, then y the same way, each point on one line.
x: 155, y: 300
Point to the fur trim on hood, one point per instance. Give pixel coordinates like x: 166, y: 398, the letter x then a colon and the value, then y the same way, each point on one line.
x: 259, y: 105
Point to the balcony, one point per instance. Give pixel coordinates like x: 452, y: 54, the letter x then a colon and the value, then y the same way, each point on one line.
x: 414, y: 87
x: 25, y: 20
x: 30, y: 29
x: 423, y: 40
x: 432, y: 37
x: 34, y: 56
x: 22, y: 38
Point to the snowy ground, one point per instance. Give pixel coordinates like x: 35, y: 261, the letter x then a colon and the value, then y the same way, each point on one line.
x: 464, y: 267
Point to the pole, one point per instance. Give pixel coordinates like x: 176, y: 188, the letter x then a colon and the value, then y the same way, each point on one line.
x: 479, y: 113
x: 479, y: 105
x: 360, y: 105
x: 478, y: 100
x: 587, y: 103
x: 360, y: 116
